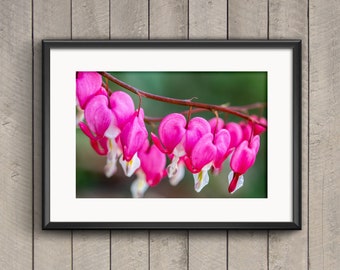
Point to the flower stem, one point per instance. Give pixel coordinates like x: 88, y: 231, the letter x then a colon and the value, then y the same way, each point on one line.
x: 182, y: 102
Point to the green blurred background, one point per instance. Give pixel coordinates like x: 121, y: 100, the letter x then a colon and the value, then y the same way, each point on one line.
x: 232, y: 88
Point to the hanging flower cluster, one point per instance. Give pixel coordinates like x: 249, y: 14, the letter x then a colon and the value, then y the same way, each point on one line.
x: 116, y: 129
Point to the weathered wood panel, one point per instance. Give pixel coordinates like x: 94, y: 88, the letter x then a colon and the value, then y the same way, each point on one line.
x: 207, y: 20
x: 129, y: 20
x: 247, y: 249
x: 289, y: 249
x: 91, y: 249
x: 168, y: 20
x: 130, y: 250
x: 324, y: 169
x: 52, y: 249
x: 15, y: 134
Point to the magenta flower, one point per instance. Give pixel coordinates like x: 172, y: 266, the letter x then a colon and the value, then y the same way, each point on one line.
x: 122, y: 107
x: 100, y: 145
x: 242, y: 159
x: 222, y: 143
x: 247, y: 130
x: 200, y: 159
x: 132, y: 138
x: 236, y: 134
x: 216, y: 124
x: 87, y: 86
x: 151, y: 171
x: 258, y: 129
x: 153, y: 163
x: 171, y: 131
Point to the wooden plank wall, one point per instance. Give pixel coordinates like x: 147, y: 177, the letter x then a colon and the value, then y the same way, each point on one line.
x: 23, y: 245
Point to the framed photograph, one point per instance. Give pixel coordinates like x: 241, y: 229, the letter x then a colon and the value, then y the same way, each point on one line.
x: 172, y: 134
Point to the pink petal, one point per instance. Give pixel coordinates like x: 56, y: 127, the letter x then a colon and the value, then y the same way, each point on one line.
x: 133, y: 135
x: 171, y: 130
x: 258, y: 129
x: 197, y: 128
x: 216, y: 124
x: 122, y: 106
x: 222, y: 142
x: 235, y: 132
x: 98, y: 115
x: 246, y: 130
x: 153, y: 164
x: 243, y: 158
x: 255, y: 144
x: 87, y: 84
x: 203, y: 152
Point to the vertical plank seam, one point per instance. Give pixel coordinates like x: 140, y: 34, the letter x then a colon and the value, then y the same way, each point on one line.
x: 227, y: 20
x: 268, y: 231
x: 227, y: 248
x: 227, y: 231
x: 308, y: 127
x: 149, y: 249
x: 267, y: 19
x: 109, y: 39
x: 71, y: 11
x: 188, y: 22
x: 110, y: 242
x: 188, y: 232
x: 149, y: 27
x: 32, y: 44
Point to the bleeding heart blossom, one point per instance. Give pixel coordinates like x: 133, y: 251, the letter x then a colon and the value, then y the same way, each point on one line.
x: 258, y: 129
x: 236, y: 134
x: 132, y: 138
x: 122, y: 107
x: 88, y: 84
x: 242, y: 159
x: 216, y: 124
x: 222, y: 143
x: 200, y: 159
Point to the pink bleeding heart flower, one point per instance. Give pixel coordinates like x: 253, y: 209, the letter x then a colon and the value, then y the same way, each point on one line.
x: 258, y: 129
x: 197, y: 128
x: 100, y: 123
x: 200, y: 160
x: 243, y: 158
x: 132, y: 138
x: 236, y: 134
x: 222, y: 143
x: 153, y: 163
x: 87, y: 86
x: 122, y: 107
x: 216, y: 124
x: 151, y: 171
x: 100, y: 145
x: 247, y: 129
x: 171, y: 131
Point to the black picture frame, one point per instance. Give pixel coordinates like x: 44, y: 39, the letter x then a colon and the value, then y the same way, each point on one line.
x: 293, y: 45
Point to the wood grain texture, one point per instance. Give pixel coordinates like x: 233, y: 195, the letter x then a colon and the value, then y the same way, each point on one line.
x: 90, y: 19
x: 247, y: 249
x: 52, y: 249
x: 208, y: 19
x: 248, y: 19
x: 91, y: 249
x: 288, y: 249
x: 324, y: 169
x: 168, y: 19
x: 129, y: 19
x: 16, y: 134
x: 130, y: 250
x: 168, y: 250
x: 207, y: 250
